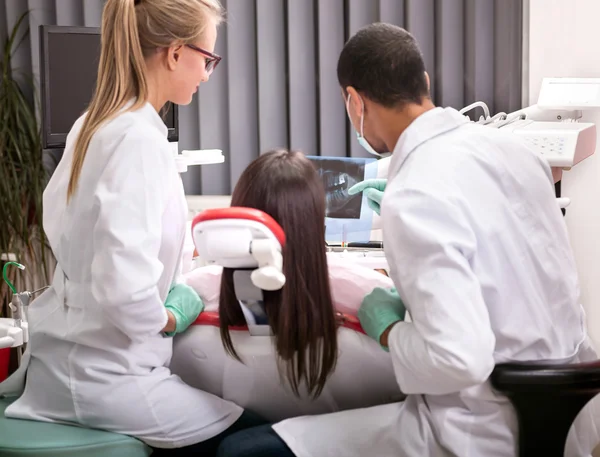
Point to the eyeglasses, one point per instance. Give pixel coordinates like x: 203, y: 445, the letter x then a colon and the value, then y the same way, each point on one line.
x: 212, y: 60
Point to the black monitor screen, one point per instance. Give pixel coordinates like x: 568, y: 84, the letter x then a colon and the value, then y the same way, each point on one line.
x: 69, y: 66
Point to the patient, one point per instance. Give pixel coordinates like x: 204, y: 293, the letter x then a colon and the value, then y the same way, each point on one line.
x: 303, y: 314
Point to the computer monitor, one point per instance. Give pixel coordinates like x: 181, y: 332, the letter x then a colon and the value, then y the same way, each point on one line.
x: 68, y: 70
x: 348, y: 218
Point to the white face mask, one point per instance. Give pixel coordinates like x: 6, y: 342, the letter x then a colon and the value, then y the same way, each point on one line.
x: 360, y: 136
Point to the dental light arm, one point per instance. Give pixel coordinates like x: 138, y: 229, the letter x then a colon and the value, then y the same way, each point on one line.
x: 196, y: 157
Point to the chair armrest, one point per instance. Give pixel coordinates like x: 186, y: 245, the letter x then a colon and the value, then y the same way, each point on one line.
x: 538, y: 377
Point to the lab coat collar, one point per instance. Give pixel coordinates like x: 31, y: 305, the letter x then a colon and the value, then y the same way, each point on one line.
x: 150, y: 114
x: 427, y: 126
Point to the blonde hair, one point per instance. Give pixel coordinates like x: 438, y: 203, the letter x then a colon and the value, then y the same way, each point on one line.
x: 131, y: 31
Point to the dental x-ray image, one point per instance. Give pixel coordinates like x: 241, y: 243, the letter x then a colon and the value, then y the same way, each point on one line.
x: 348, y: 218
x: 338, y: 177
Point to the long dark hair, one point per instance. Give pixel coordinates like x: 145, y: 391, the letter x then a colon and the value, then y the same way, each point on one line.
x: 286, y: 186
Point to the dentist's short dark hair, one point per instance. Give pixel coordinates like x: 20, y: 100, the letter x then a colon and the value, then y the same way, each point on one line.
x: 384, y: 63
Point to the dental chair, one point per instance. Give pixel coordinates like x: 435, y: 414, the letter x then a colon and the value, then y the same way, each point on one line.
x: 547, y: 399
x: 250, y: 242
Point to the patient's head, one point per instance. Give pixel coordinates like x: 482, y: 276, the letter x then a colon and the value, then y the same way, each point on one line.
x: 286, y: 186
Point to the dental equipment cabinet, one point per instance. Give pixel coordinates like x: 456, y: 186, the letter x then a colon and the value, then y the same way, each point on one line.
x: 552, y: 127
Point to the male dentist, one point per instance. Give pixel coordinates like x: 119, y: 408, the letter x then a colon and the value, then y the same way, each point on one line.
x: 479, y: 254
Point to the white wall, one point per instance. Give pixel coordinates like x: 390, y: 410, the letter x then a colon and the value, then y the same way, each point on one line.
x: 564, y: 41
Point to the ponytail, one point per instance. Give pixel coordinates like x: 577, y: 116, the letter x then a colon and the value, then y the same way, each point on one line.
x: 131, y: 30
x: 121, y: 76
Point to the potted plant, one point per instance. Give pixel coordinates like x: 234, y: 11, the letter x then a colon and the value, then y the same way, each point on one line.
x: 22, y: 177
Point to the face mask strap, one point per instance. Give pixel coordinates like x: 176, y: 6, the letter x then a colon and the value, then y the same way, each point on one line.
x: 362, y: 114
x: 362, y: 117
x: 348, y: 108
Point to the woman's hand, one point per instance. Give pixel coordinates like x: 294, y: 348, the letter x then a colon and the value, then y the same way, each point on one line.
x: 183, y: 307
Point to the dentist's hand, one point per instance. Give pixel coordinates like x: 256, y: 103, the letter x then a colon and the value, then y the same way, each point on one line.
x: 184, y: 305
x: 379, y: 311
x: 373, y: 189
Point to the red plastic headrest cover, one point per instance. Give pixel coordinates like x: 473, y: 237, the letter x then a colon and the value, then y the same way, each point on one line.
x: 237, y: 212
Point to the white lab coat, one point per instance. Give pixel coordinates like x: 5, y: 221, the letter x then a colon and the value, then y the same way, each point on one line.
x: 97, y: 354
x: 479, y: 252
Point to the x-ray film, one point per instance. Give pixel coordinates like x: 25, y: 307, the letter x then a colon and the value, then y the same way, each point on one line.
x: 348, y: 217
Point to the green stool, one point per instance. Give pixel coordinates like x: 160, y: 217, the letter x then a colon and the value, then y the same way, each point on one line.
x: 24, y: 438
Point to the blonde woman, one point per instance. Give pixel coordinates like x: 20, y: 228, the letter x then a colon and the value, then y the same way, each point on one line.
x: 114, y: 213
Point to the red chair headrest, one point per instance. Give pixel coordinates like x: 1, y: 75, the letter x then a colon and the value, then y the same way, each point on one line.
x: 236, y: 212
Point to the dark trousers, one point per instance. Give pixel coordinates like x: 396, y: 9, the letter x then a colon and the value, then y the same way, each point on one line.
x: 261, y: 441
x: 209, y: 447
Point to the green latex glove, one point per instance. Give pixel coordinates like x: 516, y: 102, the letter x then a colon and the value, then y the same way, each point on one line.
x: 186, y: 306
x: 373, y: 189
x: 380, y: 309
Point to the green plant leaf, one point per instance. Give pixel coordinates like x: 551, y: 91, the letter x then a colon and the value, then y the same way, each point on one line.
x: 22, y: 175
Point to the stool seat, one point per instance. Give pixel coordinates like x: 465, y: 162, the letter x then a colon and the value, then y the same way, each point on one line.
x: 547, y: 399
x: 513, y: 378
x: 23, y: 438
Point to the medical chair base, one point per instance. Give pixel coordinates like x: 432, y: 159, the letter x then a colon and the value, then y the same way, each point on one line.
x: 24, y: 438
x: 547, y: 399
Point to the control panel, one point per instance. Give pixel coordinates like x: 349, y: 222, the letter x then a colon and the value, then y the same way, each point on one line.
x: 563, y: 144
